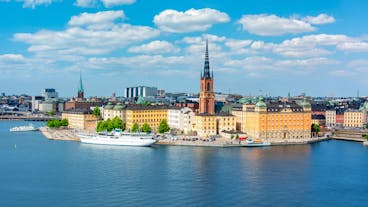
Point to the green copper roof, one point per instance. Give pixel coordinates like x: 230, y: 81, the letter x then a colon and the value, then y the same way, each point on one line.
x: 140, y: 99
x: 261, y: 102
x: 109, y: 106
x: 118, y: 106
x: 80, y: 87
x: 245, y: 100
x: 305, y: 103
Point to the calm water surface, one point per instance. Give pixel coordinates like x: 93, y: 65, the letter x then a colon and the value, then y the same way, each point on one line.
x: 38, y: 172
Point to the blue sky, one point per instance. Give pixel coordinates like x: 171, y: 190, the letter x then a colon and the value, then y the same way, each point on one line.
x: 256, y: 47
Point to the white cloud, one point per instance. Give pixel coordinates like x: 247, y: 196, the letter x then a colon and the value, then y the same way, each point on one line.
x: 155, y: 47
x: 105, y: 3
x: 189, y: 21
x: 320, y: 19
x: 272, y: 25
x: 33, y: 3
x: 86, y: 3
x: 112, y: 3
x: 353, y: 46
x: 97, y: 20
x: 12, y: 58
x: 342, y: 73
x: 237, y: 44
x: 87, y: 41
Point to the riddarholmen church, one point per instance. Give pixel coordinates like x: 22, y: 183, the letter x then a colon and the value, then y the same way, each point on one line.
x: 207, y: 122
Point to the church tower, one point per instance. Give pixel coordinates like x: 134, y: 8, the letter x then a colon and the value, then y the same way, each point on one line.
x: 80, y: 87
x: 206, y: 96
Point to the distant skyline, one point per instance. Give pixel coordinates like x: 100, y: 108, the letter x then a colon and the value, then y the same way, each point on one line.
x: 255, y: 47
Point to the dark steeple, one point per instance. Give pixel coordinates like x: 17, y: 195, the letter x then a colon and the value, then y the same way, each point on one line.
x: 80, y: 87
x: 206, y: 70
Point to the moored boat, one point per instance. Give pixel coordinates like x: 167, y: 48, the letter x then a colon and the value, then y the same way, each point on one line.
x: 119, y: 138
x: 256, y: 143
x: 23, y: 128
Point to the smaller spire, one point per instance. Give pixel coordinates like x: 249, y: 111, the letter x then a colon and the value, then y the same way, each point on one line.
x: 80, y: 87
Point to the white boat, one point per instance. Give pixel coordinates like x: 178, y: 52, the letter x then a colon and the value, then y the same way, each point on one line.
x: 119, y: 138
x: 23, y: 128
x: 256, y: 143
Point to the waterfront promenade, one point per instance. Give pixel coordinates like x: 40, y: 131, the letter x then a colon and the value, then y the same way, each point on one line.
x: 59, y: 134
x: 70, y: 135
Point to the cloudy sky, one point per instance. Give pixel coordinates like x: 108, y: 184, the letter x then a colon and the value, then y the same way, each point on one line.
x: 256, y: 47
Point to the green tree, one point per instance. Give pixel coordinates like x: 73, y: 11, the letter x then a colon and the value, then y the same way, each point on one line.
x: 54, y: 123
x: 118, y: 123
x: 135, y: 127
x: 100, y: 126
x: 97, y: 112
x: 146, y: 128
x: 64, y: 122
x: 366, y: 126
x: 51, y: 113
x: 50, y: 123
x: 366, y: 136
x: 315, y: 128
x: 163, y: 127
x: 109, y: 125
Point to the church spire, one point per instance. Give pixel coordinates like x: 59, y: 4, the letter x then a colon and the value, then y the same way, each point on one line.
x: 80, y: 86
x: 206, y: 69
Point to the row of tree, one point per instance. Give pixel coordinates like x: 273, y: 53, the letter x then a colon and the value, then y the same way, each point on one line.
x: 162, y: 128
x: 55, y: 123
x: 109, y: 125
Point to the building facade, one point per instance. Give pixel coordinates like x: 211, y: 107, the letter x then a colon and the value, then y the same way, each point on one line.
x: 143, y: 91
x: 181, y: 119
x: 49, y: 93
x: 111, y: 111
x: 152, y: 115
x: 330, y: 118
x: 82, y: 120
x: 353, y: 119
x: 279, y: 121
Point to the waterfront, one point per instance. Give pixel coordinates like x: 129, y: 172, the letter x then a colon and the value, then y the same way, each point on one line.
x: 39, y: 172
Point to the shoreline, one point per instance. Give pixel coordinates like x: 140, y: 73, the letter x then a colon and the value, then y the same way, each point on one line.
x: 69, y: 135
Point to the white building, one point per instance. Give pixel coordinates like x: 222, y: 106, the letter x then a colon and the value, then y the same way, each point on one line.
x: 36, y: 100
x: 144, y: 91
x: 110, y: 111
x: 330, y: 118
x: 47, y: 106
x: 181, y: 119
x: 49, y: 93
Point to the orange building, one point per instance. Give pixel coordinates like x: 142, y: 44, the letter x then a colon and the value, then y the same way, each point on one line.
x: 276, y: 121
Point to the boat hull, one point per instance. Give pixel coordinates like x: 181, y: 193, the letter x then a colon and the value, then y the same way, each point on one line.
x: 125, y: 141
x: 263, y: 144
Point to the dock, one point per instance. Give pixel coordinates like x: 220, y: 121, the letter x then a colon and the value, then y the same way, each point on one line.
x: 59, y: 134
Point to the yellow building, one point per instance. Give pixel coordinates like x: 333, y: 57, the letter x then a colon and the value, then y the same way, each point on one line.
x: 208, y: 125
x: 152, y: 115
x: 353, y: 119
x: 225, y: 122
x: 277, y: 121
x: 83, y: 120
x: 205, y: 125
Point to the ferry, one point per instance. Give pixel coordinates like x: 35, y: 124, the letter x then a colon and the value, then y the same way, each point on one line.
x: 23, y: 128
x: 119, y: 138
x: 256, y: 143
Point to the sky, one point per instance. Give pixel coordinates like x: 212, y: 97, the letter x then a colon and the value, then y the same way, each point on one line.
x: 263, y: 47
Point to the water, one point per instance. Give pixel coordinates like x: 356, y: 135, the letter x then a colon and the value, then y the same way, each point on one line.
x: 38, y: 172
